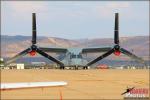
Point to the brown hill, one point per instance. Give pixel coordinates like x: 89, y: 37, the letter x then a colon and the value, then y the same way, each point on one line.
x: 14, y: 44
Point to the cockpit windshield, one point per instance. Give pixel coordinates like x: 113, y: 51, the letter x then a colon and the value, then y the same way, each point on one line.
x: 73, y: 56
x: 76, y: 56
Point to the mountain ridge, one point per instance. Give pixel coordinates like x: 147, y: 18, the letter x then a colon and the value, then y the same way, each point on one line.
x: 12, y: 45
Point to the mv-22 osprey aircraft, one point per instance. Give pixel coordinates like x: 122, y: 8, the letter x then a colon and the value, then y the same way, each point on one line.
x: 74, y: 56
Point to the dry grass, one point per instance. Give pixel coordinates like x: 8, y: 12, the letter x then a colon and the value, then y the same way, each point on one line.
x: 82, y: 84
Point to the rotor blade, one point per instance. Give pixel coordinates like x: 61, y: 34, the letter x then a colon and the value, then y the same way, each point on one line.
x: 17, y: 56
x: 33, y: 28
x: 116, y: 30
x: 126, y: 52
x: 55, y: 50
x: 49, y: 57
x: 101, y: 57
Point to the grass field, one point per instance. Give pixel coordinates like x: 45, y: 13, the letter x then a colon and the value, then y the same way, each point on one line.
x: 82, y: 84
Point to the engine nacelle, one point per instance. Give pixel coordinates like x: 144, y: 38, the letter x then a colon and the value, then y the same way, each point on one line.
x: 117, y: 53
x: 32, y: 53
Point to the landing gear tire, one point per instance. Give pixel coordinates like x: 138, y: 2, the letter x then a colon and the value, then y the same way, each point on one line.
x: 76, y: 67
x: 62, y: 67
x: 85, y: 67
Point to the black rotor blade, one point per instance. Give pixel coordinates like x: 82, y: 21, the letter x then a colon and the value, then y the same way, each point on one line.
x: 116, y: 29
x: 18, y: 56
x: 126, y: 52
x: 101, y: 57
x: 33, y: 28
x: 49, y: 57
x: 55, y: 50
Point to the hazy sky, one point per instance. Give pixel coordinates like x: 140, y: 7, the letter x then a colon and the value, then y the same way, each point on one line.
x: 75, y: 19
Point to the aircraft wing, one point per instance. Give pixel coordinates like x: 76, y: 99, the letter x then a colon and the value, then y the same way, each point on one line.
x: 96, y: 50
x: 53, y: 50
x: 8, y: 86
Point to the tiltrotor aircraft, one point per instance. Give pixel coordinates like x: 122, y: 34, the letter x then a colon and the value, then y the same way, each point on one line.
x: 73, y: 56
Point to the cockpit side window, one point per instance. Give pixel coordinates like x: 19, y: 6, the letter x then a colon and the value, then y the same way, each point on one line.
x: 73, y: 56
x: 79, y: 56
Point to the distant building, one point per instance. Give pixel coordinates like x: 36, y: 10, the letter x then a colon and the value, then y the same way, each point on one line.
x: 12, y: 66
x: 20, y: 66
x: 121, y: 67
x: 38, y: 63
x: 102, y: 66
x: 16, y: 66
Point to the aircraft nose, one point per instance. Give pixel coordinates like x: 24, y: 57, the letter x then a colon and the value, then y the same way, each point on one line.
x: 76, y: 62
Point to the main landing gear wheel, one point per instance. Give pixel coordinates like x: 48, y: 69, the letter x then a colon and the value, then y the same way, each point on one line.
x: 62, y: 67
x: 85, y: 67
x: 76, y: 67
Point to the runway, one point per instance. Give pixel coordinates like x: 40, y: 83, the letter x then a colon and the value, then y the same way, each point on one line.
x: 82, y: 84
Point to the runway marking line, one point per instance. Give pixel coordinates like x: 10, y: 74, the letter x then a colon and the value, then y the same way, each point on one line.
x: 60, y: 93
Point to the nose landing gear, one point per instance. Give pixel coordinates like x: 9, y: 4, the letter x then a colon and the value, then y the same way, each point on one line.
x: 85, y: 67
x: 76, y: 67
x: 62, y: 67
